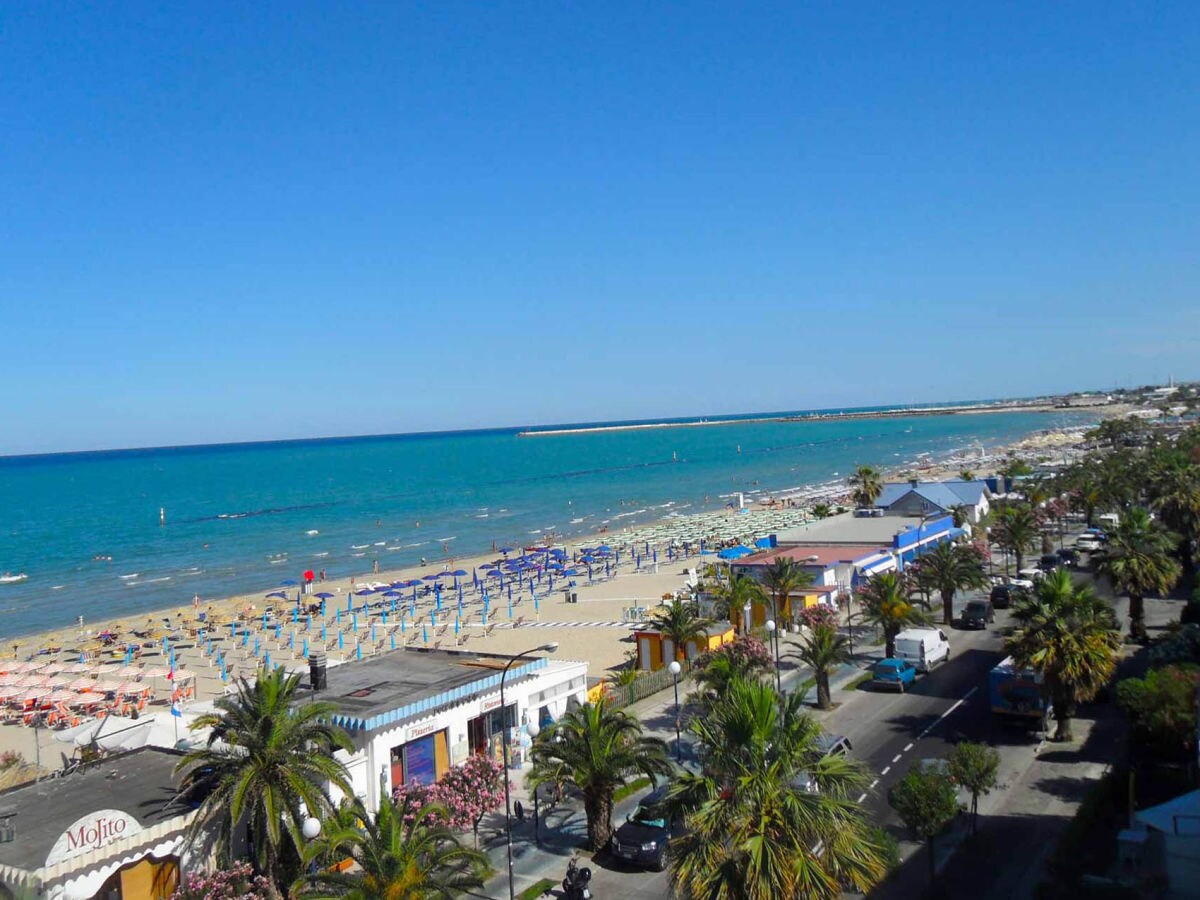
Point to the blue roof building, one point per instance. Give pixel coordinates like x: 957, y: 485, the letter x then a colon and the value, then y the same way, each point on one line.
x: 923, y: 498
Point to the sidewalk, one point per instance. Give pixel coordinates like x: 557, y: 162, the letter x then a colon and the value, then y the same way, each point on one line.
x: 563, y: 829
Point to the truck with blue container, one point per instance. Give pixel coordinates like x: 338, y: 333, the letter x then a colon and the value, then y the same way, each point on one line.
x: 1017, y: 696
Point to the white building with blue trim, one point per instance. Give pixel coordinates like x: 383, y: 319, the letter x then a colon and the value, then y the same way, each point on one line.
x: 413, y: 713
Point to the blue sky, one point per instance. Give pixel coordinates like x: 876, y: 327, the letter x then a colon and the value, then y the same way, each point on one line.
x: 266, y: 220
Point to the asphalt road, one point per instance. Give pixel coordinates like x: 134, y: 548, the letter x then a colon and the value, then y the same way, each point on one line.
x: 889, y: 733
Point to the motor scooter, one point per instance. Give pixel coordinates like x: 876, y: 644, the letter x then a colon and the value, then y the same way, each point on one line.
x: 575, y: 885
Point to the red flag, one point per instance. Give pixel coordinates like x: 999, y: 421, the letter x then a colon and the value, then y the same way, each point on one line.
x: 171, y: 674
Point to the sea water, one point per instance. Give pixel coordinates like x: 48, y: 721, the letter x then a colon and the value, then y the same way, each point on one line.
x: 85, y: 527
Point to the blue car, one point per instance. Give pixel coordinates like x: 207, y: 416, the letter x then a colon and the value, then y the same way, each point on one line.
x: 893, y: 674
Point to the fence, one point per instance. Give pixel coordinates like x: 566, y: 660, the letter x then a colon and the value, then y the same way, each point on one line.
x: 645, y: 685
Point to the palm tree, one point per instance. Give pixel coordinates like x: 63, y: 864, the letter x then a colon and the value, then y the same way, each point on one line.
x: 596, y: 747
x: 782, y: 578
x: 822, y: 511
x: 966, y: 475
x: 740, y: 590
x: 1138, y: 561
x: 1068, y: 635
x: 885, y: 604
x: 679, y: 622
x: 400, y: 854
x: 951, y: 567
x: 265, y: 757
x: 867, y: 484
x: 1176, y: 487
x: 747, y: 658
x: 1016, y: 529
x: 822, y: 649
x: 756, y: 828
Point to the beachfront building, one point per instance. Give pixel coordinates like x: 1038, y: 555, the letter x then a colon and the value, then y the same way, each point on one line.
x: 831, y: 568
x: 930, y: 498
x: 414, y: 713
x: 842, y: 551
x: 903, y: 537
x: 108, y: 831
x: 655, y: 649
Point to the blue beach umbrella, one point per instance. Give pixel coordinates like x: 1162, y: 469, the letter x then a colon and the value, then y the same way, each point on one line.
x: 324, y: 634
x: 424, y: 634
x: 341, y: 640
x: 358, y: 651
x: 393, y: 635
x: 305, y: 651
x: 280, y: 594
x: 267, y: 659
x: 291, y: 640
x: 339, y: 618
x: 324, y: 595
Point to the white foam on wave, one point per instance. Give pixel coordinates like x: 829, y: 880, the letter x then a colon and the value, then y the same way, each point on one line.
x: 359, y: 546
x: 156, y: 580
x: 311, y: 532
x: 129, y: 576
x: 451, y: 538
x: 358, y: 554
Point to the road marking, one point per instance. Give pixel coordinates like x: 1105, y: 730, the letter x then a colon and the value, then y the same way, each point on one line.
x: 862, y: 797
x: 957, y: 703
x: 886, y: 769
x: 908, y: 746
x: 896, y: 758
x: 873, y: 783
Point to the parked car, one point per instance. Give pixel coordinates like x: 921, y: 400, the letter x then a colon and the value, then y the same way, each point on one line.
x: 923, y: 647
x: 830, y: 745
x: 643, y: 837
x: 893, y: 674
x: 978, y: 614
x: 1002, y: 596
x: 1088, y: 543
x: 1069, y: 556
x: 1028, y: 577
x: 1049, y: 562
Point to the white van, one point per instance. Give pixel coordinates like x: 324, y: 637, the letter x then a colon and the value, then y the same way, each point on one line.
x: 923, y: 647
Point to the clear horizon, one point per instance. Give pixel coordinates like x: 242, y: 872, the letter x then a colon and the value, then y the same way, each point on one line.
x: 238, y: 223
x: 575, y: 423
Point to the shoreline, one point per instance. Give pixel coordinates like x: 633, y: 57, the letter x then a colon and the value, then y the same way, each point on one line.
x: 760, y: 501
x: 898, y: 413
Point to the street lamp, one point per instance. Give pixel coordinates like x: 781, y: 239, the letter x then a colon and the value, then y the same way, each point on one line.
x: 773, y: 637
x: 675, y: 668
x: 533, y: 728
x: 544, y: 648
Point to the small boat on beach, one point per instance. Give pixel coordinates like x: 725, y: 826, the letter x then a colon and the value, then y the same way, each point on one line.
x: 10, y: 578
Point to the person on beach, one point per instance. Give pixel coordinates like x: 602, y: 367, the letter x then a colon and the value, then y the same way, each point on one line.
x: 375, y: 567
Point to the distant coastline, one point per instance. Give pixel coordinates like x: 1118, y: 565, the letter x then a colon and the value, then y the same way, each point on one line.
x: 896, y: 413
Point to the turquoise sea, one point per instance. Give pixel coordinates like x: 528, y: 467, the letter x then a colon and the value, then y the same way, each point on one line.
x: 244, y: 517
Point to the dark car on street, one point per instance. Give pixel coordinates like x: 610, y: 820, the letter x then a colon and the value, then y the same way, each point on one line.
x: 643, y: 838
x: 1002, y: 596
x: 1069, y: 556
x: 978, y: 614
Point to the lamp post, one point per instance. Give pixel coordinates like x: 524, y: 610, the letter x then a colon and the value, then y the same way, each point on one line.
x: 773, y: 637
x: 310, y: 830
x: 675, y: 668
x: 844, y: 591
x: 544, y: 648
x: 533, y: 728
